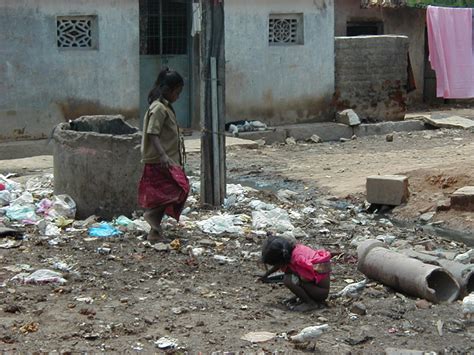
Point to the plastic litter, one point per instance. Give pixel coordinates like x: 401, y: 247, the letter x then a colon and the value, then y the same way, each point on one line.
x: 5, y: 198
x: 2, y: 187
x: 40, y: 186
x: 222, y: 224
x: 26, y: 198
x: 48, y: 228
x: 166, y: 343
x: 261, y: 206
x: 468, y: 305
x: 63, y: 205
x: 42, y: 276
x: 286, y: 195
x: 258, y: 337
x: 310, y: 333
x: 276, y: 219
x: 10, y: 244
x: 221, y: 259
x: 353, y: 290
x: 124, y: 221
x: 465, y: 258
x: 103, y: 230
x: 22, y: 213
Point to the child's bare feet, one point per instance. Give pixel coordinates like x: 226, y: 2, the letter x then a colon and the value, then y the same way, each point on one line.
x: 155, y: 236
x: 306, y: 307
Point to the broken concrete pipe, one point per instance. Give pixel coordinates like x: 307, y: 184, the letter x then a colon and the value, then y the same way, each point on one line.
x: 463, y: 274
x: 97, y: 163
x: 405, y: 274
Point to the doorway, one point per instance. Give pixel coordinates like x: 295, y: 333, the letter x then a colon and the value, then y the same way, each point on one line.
x: 165, y: 42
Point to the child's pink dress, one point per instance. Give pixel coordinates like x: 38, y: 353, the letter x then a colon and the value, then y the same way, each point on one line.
x: 304, y: 262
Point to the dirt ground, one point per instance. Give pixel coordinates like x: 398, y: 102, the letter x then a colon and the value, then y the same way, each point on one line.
x: 126, y: 300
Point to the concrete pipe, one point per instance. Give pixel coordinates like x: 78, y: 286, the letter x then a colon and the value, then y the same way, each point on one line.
x: 464, y: 275
x: 97, y: 163
x: 405, y: 274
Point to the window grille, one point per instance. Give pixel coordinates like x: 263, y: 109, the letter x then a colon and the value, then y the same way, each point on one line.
x: 76, y: 31
x: 163, y: 27
x: 285, y: 29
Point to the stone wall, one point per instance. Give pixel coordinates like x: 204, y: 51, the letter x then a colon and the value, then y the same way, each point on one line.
x: 284, y: 83
x: 371, y: 76
x: 42, y: 83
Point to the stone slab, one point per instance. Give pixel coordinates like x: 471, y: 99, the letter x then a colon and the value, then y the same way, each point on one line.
x: 23, y: 149
x: 276, y: 135
x: 328, y: 131
x: 193, y: 144
x: 383, y: 128
x: 389, y: 190
x: 450, y: 122
x: 463, y: 199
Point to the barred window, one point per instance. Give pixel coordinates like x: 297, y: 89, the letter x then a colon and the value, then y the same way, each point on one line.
x: 285, y: 29
x: 77, y: 32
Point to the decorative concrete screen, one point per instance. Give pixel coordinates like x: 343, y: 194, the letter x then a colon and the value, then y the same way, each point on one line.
x: 76, y: 31
x: 285, y: 29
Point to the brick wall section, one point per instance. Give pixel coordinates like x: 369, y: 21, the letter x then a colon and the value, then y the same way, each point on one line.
x: 371, y: 76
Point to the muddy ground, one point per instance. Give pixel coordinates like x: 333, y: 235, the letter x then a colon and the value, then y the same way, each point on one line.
x: 126, y: 300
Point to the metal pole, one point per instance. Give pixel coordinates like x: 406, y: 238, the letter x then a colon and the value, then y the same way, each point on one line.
x: 215, y: 130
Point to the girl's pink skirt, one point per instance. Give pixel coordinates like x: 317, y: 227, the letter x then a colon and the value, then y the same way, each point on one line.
x: 161, y: 187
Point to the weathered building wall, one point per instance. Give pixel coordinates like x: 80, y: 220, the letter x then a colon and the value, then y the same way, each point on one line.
x: 278, y: 83
x: 371, y: 74
x: 42, y: 85
x: 409, y: 22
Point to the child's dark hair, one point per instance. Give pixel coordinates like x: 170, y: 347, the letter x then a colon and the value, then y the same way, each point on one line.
x: 277, y: 251
x: 167, y: 81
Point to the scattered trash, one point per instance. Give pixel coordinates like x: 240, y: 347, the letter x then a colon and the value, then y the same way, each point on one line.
x: 245, y: 126
x: 166, y: 343
x: 104, y: 230
x: 10, y: 244
x: 310, y: 333
x: 24, y: 213
x: 258, y: 337
x: 276, y: 219
x: 439, y: 327
x: 104, y: 251
x: 261, y: 206
x: 465, y: 258
x: 175, y: 244
x: 468, y: 306
x: 31, y: 327
x: 352, y: 290
x: 124, y: 221
x: 42, y: 276
x: 286, y: 195
x: 222, y: 224
x: 290, y: 141
x: 48, y: 228
x: 426, y: 217
x: 221, y: 259
x: 315, y: 139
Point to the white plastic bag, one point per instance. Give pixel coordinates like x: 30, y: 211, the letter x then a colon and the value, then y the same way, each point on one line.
x: 222, y: 224
x: 276, y: 219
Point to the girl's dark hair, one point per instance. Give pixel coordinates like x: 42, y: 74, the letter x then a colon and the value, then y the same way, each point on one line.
x: 167, y: 81
x: 277, y: 251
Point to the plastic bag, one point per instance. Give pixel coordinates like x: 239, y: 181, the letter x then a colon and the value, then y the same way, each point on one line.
x: 42, y: 276
x: 41, y: 186
x: 261, y: 206
x: 63, y: 205
x: 22, y: 213
x: 5, y: 197
x: 221, y: 224
x: 124, y: 221
x: 276, y: 219
x: 103, y: 230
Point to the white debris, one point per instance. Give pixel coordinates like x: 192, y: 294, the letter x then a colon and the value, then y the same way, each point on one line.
x: 221, y: 259
x: 466, y: 257
x: 222, y: 224
x: 42, y: 276
x: 310, y: 333
x: 258, y: 205
x: 276, y: 219
x: 166, y: 343
x: 286, y: 195
x: 468, y: 305
x: 352, y: 290
x: 258, y: 337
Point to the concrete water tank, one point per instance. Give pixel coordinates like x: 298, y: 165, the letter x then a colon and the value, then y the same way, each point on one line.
x: 97, y: 163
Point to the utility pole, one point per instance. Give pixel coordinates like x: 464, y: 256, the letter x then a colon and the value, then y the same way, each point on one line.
x: 212, y: 71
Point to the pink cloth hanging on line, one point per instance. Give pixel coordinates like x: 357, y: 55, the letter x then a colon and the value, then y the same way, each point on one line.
x: 451, y: 51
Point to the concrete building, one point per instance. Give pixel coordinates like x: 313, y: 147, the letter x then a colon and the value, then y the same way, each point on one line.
x: 60, y: 59
x: 369, y: 17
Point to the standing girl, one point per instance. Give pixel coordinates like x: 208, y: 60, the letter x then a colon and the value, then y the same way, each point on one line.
x: 164, y: 187
x: 306, y: 271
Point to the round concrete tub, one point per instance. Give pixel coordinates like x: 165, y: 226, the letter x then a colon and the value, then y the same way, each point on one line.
x: 97, y: 162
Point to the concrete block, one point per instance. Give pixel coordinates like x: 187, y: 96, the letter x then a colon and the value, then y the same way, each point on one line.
x: 25, y: 149
x: 463, y: 199
x: 326, y: 131
x: 276, y: 135
x: 348, y: 117
x: 381, y: 128
x: 387, y: 189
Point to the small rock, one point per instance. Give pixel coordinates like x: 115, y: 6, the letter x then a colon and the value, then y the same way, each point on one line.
x: 315, y: 139
x: 290, y: 141
x: 348, y: 117
x: 12, y: 308
x: 359, y: 308
x: 148, y: 320
x: 342, y: 140
x: 426, y: 217
x: 389, y: 137
x: 124, y: 300
x: 444, y: 205
x: 354, y: 137
x: 423, y: 304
